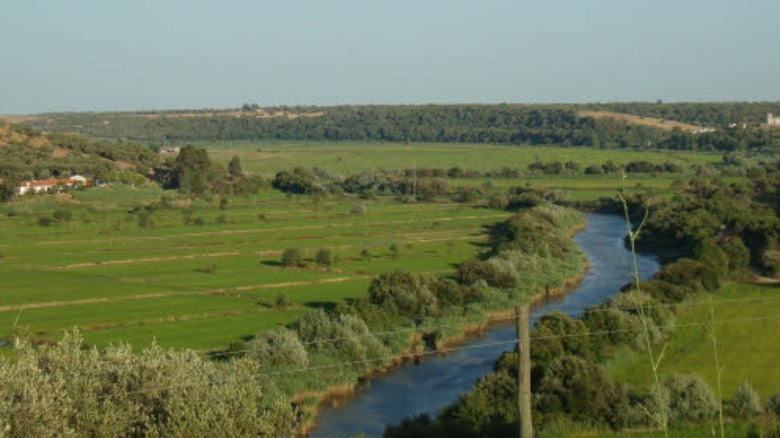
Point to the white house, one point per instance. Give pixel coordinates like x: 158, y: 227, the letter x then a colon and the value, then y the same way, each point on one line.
x: 48, y: 185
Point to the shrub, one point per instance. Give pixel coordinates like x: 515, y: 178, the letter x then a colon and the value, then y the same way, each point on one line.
x: 773, y: 404
x: 62, y: 215
x: 145, y: 221
x: 292, y: 257
x: 282, y: 301
x: 324, y: 257
x: 66, y: 390
x: 583, y: 391
x: 45, y: 221
x: 471, y: 271
x: 689, y: 398
x: 405, y: 292
x: 278, y: 347
x: 556, y: 335
x: 358, y: 210
x: 745, y: 403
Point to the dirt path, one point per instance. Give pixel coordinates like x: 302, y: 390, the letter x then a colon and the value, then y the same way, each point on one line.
x: 51, y: 304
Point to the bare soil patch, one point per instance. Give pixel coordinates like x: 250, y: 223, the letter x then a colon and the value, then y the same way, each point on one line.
x: 666, y: 125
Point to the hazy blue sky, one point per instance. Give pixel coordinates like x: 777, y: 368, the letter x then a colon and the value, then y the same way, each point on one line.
x: 143, y: 54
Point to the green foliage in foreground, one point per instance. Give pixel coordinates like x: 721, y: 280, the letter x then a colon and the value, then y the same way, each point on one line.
x: 65, y: 390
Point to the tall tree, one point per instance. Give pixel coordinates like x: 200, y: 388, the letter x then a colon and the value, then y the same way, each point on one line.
x: 192, y: 170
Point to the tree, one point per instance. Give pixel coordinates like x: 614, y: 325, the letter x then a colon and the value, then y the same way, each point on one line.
x: 292, y: 257
x: 324, y: 257
x: 191, y: 171
x: 278, y: 347
x: 234, y: 167
x: 7, y: 191
x: 582, y: 390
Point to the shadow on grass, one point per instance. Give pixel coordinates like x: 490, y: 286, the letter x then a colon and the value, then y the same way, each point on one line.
x: 327, y: 306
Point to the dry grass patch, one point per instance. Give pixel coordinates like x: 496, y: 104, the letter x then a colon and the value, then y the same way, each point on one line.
x: 666, y: 125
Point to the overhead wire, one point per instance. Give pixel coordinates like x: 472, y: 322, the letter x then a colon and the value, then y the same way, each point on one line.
x: 402, y: 356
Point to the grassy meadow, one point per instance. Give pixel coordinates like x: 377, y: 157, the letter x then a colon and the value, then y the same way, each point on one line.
x: 202, y: 286
x: 195, y: 275
x: 746, y: 319
x: 268, y: 157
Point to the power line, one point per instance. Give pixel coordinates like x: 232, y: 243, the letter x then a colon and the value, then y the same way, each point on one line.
x: 538, y: 313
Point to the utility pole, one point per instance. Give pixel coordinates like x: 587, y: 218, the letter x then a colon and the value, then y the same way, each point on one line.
x: 524, y: 371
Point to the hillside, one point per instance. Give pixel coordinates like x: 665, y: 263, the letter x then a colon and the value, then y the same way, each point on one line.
x: 646, y: 126
x: 26, y: 154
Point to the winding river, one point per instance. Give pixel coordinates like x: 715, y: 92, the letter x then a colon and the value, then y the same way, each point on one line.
x: 439, y: 380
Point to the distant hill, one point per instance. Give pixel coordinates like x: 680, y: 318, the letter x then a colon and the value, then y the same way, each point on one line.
x: 629, y: 125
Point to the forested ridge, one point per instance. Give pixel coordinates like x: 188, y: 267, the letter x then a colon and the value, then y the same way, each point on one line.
x: 495, y: 124
x: 713, y: 114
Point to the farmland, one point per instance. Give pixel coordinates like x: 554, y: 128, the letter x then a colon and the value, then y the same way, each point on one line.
x: 204, y: 286
x: 269, y: 157
x: 199, y: 275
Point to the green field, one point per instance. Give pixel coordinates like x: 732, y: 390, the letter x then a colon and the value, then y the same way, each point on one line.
x: 203, y: 286
x: 116, y: 281
x: 747, y: 320
x: 269, y: 157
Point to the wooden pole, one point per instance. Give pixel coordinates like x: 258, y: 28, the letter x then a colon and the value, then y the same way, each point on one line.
x: 524, y: 371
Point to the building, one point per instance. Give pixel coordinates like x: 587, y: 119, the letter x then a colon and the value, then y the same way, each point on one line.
x: 169, y: 150
x: 772, y: 120
x: 49, y: 185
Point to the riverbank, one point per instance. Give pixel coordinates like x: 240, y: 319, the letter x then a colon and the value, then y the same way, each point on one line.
x: 337, y: 395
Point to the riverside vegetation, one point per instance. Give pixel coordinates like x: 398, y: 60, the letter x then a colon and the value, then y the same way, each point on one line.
x: 717, y: 231
x: 381, y: 311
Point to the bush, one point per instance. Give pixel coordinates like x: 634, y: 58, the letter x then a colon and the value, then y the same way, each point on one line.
x: 67, y: 390
x: 292, y: 258
x: 556, y: 335
x: 62, y: 215
x: 324, y: 257
x: 45, y: 221
x: 745, y: 403
x: 404, y: 292
x: 278, y: 347
x: 773, y: 404
x: 581, y: 390
x: 358, y: 210
x: 471, y: 271
x: 282, y: 302
x: 689, y: 398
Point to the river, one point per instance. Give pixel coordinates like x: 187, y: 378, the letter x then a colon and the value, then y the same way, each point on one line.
x: 439, y: 380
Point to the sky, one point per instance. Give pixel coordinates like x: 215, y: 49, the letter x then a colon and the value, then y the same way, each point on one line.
x: 107, y: 55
